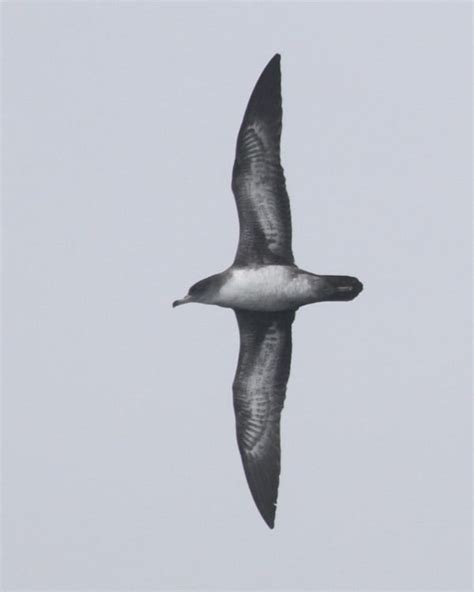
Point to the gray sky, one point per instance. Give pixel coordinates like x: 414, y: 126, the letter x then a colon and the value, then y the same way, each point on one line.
x: 121, y: 469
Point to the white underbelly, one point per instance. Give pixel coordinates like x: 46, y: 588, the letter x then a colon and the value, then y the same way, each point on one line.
x: 267, y: 288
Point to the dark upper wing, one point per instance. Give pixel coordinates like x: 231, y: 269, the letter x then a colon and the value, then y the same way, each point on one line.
x: 258, y: 181
x: 259, y: 393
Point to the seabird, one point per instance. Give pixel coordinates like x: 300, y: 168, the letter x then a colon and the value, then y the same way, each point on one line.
x: 265, y: 288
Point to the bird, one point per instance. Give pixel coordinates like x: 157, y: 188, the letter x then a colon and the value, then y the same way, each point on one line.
x: 265, y: 288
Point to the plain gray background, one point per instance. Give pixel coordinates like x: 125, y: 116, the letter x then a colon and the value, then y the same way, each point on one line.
x: 121, y: 469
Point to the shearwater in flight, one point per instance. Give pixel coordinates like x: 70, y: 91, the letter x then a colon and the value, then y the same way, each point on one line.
x: 265, y: 288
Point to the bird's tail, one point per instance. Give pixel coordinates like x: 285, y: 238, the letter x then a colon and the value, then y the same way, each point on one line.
x: 340, y: 287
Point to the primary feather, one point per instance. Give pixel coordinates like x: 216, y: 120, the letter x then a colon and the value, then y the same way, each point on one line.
x: 258, y: 181
x: 259, y: 394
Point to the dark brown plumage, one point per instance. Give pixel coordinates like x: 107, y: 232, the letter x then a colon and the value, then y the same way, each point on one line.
x: 259, y: 394
x: 258, y: 181
x: 265, y: 288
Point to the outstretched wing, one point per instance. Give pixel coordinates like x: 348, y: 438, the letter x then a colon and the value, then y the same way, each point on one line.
x: 258, y: 181
x: 259, y: 394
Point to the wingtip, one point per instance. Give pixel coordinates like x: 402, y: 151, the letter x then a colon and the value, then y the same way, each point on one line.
x: 264, y: 492
x: 268, y: 514
x: 270, y: 523
x: 275, y: 61
x: 272, y: 68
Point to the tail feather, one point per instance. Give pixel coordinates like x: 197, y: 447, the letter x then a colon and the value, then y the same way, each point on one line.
x: 341, y: 287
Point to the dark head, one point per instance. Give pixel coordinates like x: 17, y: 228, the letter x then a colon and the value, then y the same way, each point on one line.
x: 203, y: 291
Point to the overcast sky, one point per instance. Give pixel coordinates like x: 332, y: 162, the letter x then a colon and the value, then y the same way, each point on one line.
x: 121, y: 468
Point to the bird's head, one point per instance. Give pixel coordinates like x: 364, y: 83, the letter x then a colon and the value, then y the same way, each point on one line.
x: 203, y: 291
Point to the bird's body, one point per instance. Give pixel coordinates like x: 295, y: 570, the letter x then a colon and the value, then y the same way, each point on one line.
x: 273, y: 288
x: 265, y: 288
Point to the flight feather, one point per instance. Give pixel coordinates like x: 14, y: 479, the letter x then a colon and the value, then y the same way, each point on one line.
x: 259, y: 393
x: 258, y: 181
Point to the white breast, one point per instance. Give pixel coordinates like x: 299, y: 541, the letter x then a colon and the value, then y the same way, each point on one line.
x: 266, y: 288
